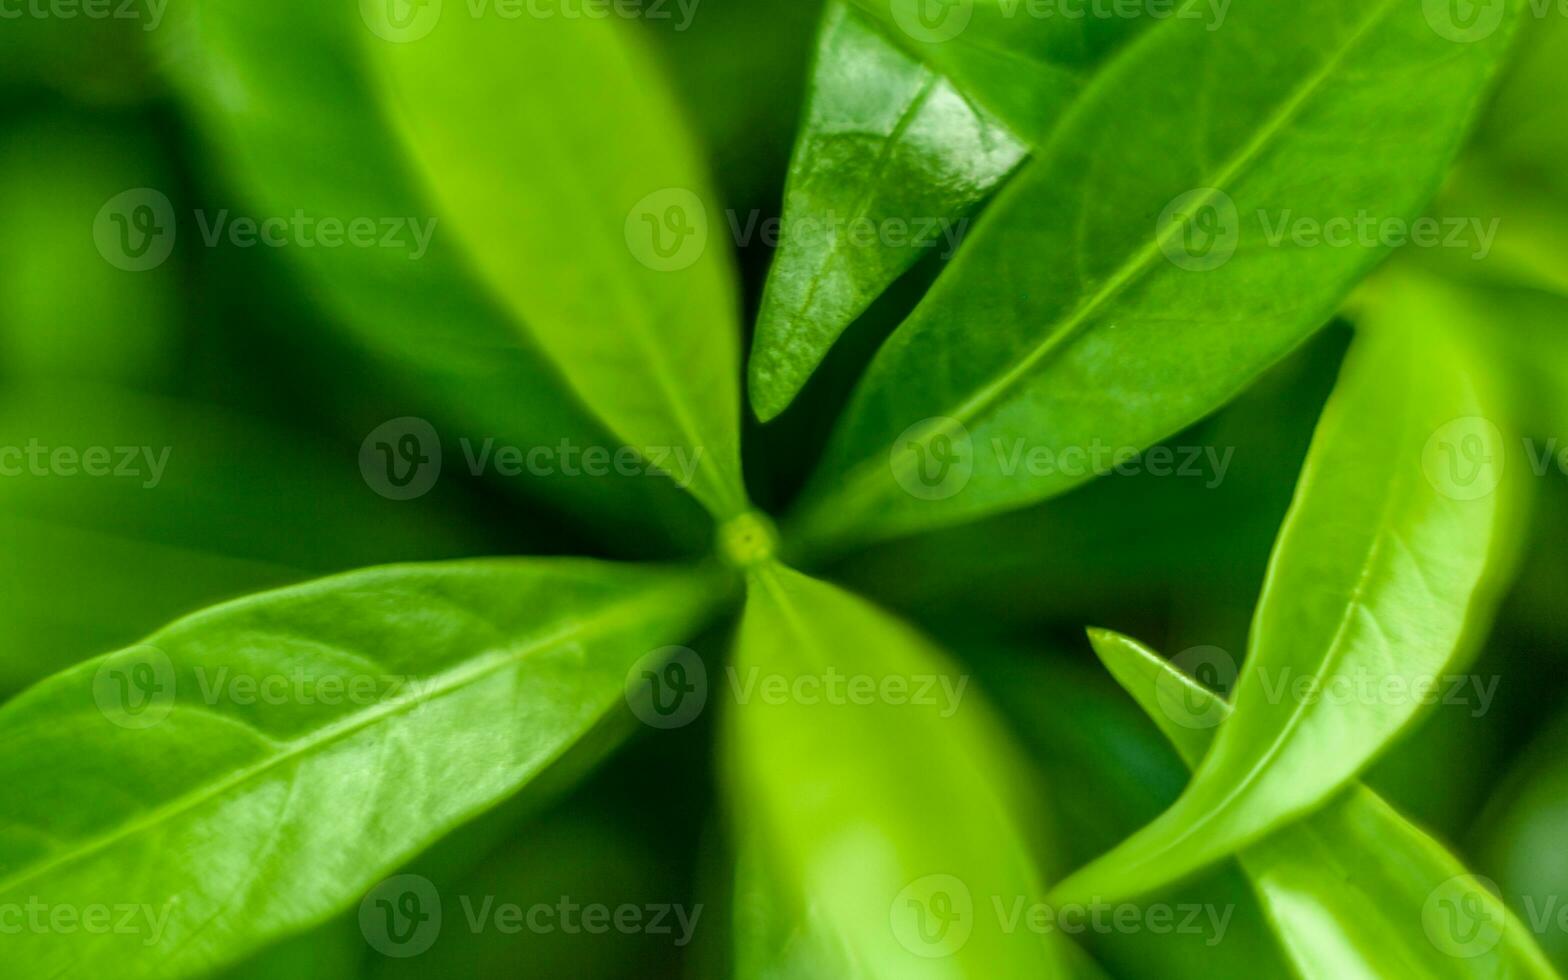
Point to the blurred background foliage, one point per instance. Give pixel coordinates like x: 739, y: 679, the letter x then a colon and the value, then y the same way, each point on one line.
x: 229, y: 356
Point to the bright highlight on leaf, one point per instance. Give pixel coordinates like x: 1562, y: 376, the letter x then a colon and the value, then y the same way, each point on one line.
x: 1346, y: 887
x: 1372, y: 585
x: 293, y: 748
x: 1102, y: 302
x: 891, y: 857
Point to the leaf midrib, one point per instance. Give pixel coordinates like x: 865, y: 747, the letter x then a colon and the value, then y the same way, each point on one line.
x: 1334, y: 653
x: 863, y: 484
x: 437, y: 686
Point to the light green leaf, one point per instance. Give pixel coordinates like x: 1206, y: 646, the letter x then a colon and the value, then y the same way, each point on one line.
x: 893, y: 818
x: 253, y: 769
x: 1104, y: 302
x: 1378, y: 572
x: 283, y: 97
x: 890, y: 161
x: 611, y: 252
x: 1355, y: 889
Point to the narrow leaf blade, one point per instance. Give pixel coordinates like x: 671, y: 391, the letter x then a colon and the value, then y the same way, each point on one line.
x: 1380, y: 568
x: 890, y: 161
x: 611, y: 252
x: 1355, y: 889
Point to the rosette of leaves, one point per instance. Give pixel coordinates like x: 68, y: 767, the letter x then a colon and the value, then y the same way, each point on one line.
x: 1118, y: 279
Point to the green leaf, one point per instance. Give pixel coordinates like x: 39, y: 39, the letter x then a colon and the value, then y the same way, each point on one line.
x: 892, y: 816
x: 1355, y: 889
x: 611, y: 253
x: 251, y: 770
x: 194, y: 505
x: 1105, y: 773
x: 281, y: 94
x: 890, y: 160
x: 1377, y: 572
x: 1024, y: 63
x: 1104, y: 302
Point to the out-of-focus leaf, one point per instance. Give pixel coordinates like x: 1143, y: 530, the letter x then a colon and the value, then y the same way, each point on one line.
x: 531, y: 908
x: 890, y: 160
x: 333, y: 952
x: 880, y: 793
x: 1188, y: 526
x: 582, y: 200
x: 190, y: 506
x: 1378, y: 571
x: 251, y: 770
x: 67, y: 311
x: 1355, y: 890
x: 1521, y: 838
x: 92, y: 58
x: 1102, y: 304
x: 282, y: 95
x: 713, y: 54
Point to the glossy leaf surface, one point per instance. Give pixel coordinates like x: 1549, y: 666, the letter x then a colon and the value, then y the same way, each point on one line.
x: 1355, y: 889
x: 1377, y: 573
x: 1102, y: 303
x: 890, y: 161
x: 251, y: 770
